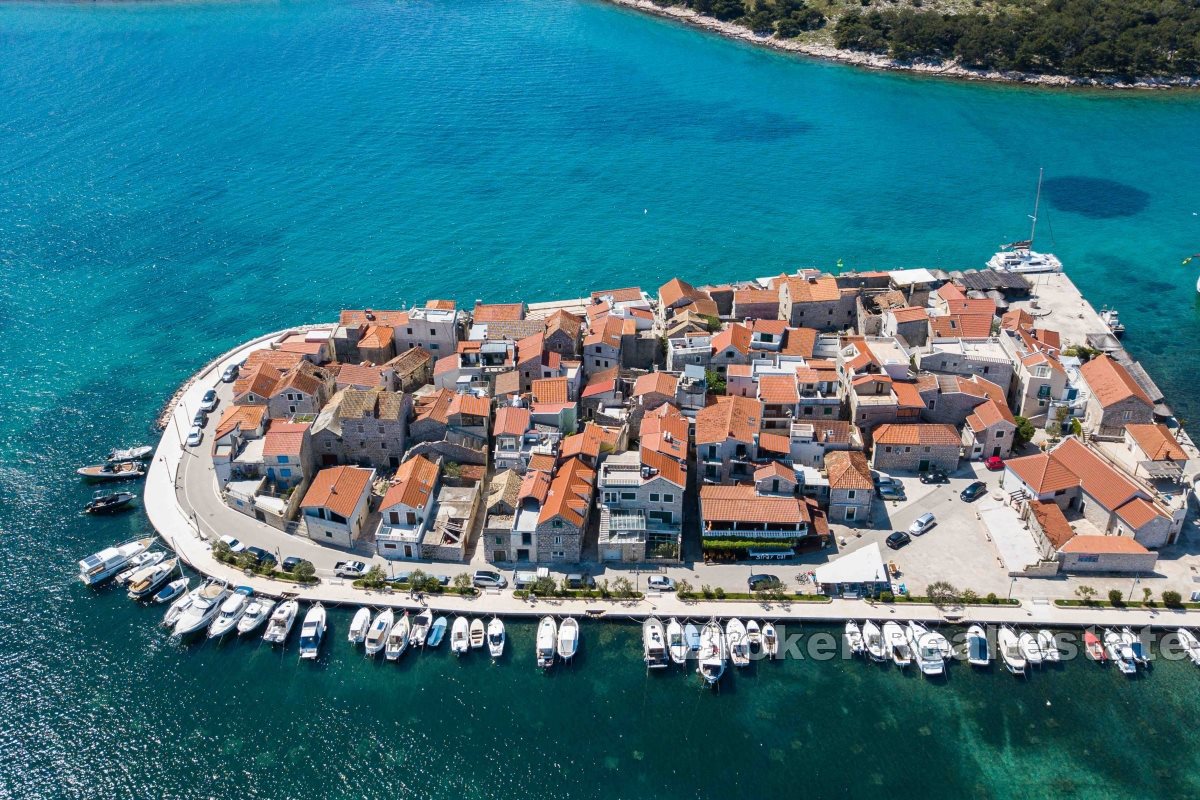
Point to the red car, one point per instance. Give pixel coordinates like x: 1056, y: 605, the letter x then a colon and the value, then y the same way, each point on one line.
x: 994, y: 463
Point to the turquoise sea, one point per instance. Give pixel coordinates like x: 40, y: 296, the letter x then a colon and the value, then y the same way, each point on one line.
x: 175, y: 178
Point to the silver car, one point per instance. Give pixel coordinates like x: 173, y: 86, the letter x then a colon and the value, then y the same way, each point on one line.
x: 195, y: 436
x: 921, y: 524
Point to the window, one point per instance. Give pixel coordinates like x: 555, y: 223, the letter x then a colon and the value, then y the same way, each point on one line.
x: 851, y: 511
x: 850, y: 494
x: 383, y: 446
x: 828, y: 410
x: 887, y: 449
x: 556, y: 524
x: 558, y: 540
x: 668, y: 498
x: 654, y: 497
x: 932, y: 404
x: 381, y: 430
x: 285, y: 473
x: 729, y: 354
x: 597, y: 350
x: 907, y: 449
x: 410, y: 518
x: 927, y: 449
x: 610, y: 497
x: 282, y: 459
x: 291, y: 409
x: 1126, y: 415
x: 558, y: 554
x: 597, y: 361
x: 999, y: 434
x: 433, y: 345
x: 1091, y: 559
x: 409, y: 331
x: 629, y: 495
x: 432, y: 332
x: 394, y: 517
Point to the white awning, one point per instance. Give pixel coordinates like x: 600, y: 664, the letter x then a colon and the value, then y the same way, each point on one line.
x: 864, y: 565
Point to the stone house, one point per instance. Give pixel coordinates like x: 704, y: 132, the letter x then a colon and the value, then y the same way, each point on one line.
x: 304, y: 390
x: 813, y: 300
x: 727, y: 439
x: 563, y: 333
x: 353, y: 324
x: 237, y: 426
x: 336, y: 506
x: 1153, y: 452
x: 1116, y: 399
x: 552, y: 514
x: 411, y: 369
x: 916, y: 448
x: 287, y: 454
x: 730, y: 346
x: 756, y: 303
x: 602, y: 346
x: 436, y: 328
x: 654, y: 389
x: 500, y: 509
x: 377, y: 345
x: 851, y: 488
x: 407, y: 509
x: 368, y: 428
x: 641, y: 510
x: 910, y: 323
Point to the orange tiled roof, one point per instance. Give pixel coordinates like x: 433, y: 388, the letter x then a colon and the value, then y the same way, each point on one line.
x: 409, y: 360
x: 498, y: 312
x: 1052, y: 522
x: 740, y: 503
x: 607, y: 332
x: 377, y: 337
x: 987, y: 414
x: 800, y: 342
x: 1103, y: 544
x: 744, y: 297
x: 414, y: 484
x: 338, y: 489
x: 775, y: 470
x: 536, y: 484
x: 566, y: 322
x: 353, y: 318
x: 284, y: 438
x: 675, y: 290
x: 434, y: 406
x: 1072, y: 464
x: 663, y: 383
x: 512, y: 421
x: 601, y: 383
x: 363, y: 375
x: 470, y: 405
x: 923, y: 433
x: 778, y: 389
x: 630, y: 294
x: 737, y: 418
x: 910, y: 314
x: 585, y: 443
x: 1111, y: 383
x: 249, y: 415
x: 1137, y: 512
x: 542, y: 462
x: 736, y: 336
x: 550, y: 390
x: 441, y: 305
x: 1016, y: 319
x: 1157, y: 442
x: 673, y: 470
x: 962, y: 326
x: 570, y: 493
x: 774, y: 442
x: 820, y: 288
x: 848, y: 469
x: 907, y: 395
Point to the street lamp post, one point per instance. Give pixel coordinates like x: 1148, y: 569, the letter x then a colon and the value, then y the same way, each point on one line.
x: 1012, y: 582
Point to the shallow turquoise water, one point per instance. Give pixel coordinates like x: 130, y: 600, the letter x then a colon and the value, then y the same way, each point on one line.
x: 176, y: 178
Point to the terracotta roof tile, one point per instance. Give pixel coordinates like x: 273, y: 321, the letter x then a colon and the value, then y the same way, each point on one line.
x: 923, y: 433
x: 774, y: 442
x: 498, y: 312
x: 570, y: 493
x: 814, y: 289
x: 1103, y: 544
x: 413, y: 484
x: 601, y: 383
x: 909, y: 314
x: 630, y: 294
x: 536, y: 485
x: 1110, y: 382
x: 542, y: 462
x: 961, y: 326
x: 246, y: 416
x: 550, y: 390
x: 775, y: 470
x: 663, y: 383
x: 736, y: 336
x: 338, y: 489
x: 377, y: 337
x: 778, y: 390
x: 469, y: 405
x: 737, y: 418
x: 740, y: 503
x: 848, y: 469
x: 353, y: 318
x: 1052, y: 522
x: 512, y: 421
x: 1157, y: 442
x: 284, y: 438
x: 669, y: 468
x: 800, y: 342
x: 1137, y: 512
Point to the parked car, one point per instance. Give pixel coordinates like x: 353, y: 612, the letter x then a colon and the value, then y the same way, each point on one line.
x: 209, y: 401
x: 234, y: 545
x: 578, y: 581
x: 763, y: 581
x: 263, y: 556
x: 195, y: 436
x: 898, y: 539
x: 889, y: 492
x: 922, y: 524
x: 994, y: 463
x: 350, y: 569
x: 660, y: 582
x: 935, y: 475
x: 973, y: 492
x: 487, y: 579
x: 230, y: 374
x: 882, y: 480
x: 400, y: 577
x: 201, y: 418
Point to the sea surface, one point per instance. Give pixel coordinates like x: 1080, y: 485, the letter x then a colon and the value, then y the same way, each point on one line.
x: 175, y: 178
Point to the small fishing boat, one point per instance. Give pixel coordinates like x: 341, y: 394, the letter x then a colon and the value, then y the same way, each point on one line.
x: 172, y: 591
x: 101, y: 566
x: 1119, y: 653
x: 359, y: 626
x: 1093, y: 647
x: 478, y: 633
x: 120, y: 471
x: 312, y: 631
x: 397, y: 640
x: 420, y: 628
x: 568, y: 639
x: 854, y: 639
x: 1131, y: 641
x: 737, y: 642
x: 873, y: 639
x: 1009, y: 645
x: 938, y: 640
x: 753, y: 634
x: 281, y: 621
x: 978, y: 652
x: 145, y: 581
x: 691, y: 637
x: 897, y: 643
x: 925, y: 649
x: 377, y: 634
x: 712, y: 653
x: 258, y: 612
x: 770, y: 640
x: 459, y: 643
x: 231, y: 611
x: 137, y: 564
x: 1049, y: 646
x: 140, y: 453
x: 436, y: 632
x: 102, y: 503
x: 654, y: 644
x: 1030, y: 648
x: 206, y: 603
x: 676, y: 646
x: 495, y: 637
x: 547, y: 637
x: 1190, y: 644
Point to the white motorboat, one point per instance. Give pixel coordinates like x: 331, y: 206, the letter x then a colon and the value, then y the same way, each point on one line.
x: 101, y: 566
x: 1119, y: 652
x: 459, y: 641
x: 477, y: 633
x: 941, y: 643
x: 420, y: 628
x: 654, y: 644
x: 206, y: 603
x: 547, y: 636
x: 1019, y: 256
x: 359, y: 626
x: 770, y: 640
x: 677, y: 647
x: 172, y: 591
x: 691, y: 637
x: 397, y: 640
x: 139, y: 453
x: 1030, y: 648
x: 312, y: 631
x: 1136, y: 648
x: 925, y: 650
x: 145, y: 581
x: 873, y: 640
x: 1190, y: 644
x: 712, y: 653
x: 897, y: 644
x: 1049, y: 646
x: 738, y: 643
x: 281, y: 621
x: 377, y: 634
x: 436, y: 632
x: 180, y: 604
x: 495, y: 638
x: 753, y: 634
x: 1009, y: 645
x: 854, y: 639
x: 978, y: 652
x: 136, y: 564
x: 231, y: 611
x: 258, y: 612
x: 568, y: 639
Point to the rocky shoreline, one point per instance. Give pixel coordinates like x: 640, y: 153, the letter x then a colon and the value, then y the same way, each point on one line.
x: 878, y: 62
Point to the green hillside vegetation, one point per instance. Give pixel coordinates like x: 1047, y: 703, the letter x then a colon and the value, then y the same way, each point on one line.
x: 1084, y: 38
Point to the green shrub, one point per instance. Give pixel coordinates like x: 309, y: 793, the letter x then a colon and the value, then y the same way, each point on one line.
x: 886, y: 597
x: 304, y: 572
x: 719, y: 592
x: 1172, y: 599
x: 707, y: 591
x: 1115, y: 598
x: 684, y: 590
x: 992, y: 599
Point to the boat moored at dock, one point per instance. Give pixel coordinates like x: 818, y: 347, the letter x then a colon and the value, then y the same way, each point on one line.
x: 312, y: 631
x: 145, y: 581
x: 770, y: 640
x: 978, y: 651
x: 712, y: 653
x: 436, y: 632
x: 495, y: 637
x: 206, y: 603
x: 676, y: 645
x: 420, y: 628
x: 257, y: 613
x: 873, y: 640
x: 568, y: 639
x: 546, y: 642
x: 397, y: 640
x: 738, y: 642
x: 459, y: 636
x: 377, y: 634
x: 854, y: 639
x: 359, y: 625
x: 100, y: 566
x: 897, y: 644
x: 1009, y: 645
x: 281, y: 621
x: 654, y: 644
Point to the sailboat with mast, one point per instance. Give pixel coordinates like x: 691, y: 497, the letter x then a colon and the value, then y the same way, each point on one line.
x: 1020, y: 256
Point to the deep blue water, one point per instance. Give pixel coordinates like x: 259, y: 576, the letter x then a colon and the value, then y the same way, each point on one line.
x: 175, y: 178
